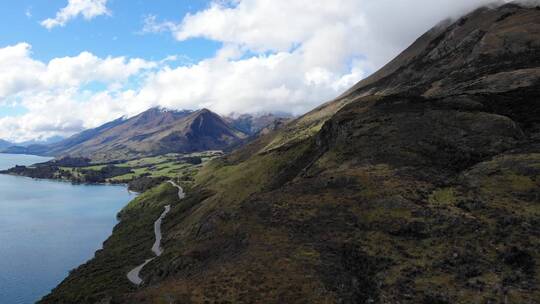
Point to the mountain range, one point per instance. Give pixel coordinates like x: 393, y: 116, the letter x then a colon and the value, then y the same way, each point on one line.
x: 5, y: 144
x: 252, y: 124
x: 420, y: 184
x: 33, y: 142
x: 153, y: 132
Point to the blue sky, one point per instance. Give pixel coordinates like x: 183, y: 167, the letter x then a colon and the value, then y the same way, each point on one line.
x: 119, y: 34
x: 69, y: 65
x: 115, y: 35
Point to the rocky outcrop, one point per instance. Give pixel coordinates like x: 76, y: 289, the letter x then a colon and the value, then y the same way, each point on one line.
x: 491, y: 50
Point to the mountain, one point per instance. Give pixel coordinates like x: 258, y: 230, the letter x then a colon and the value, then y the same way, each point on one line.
x: 4, y: 144
x: 60, y: 147
x: 419, y: 185
x: 81, y: 138
x: 30, y: 150
x: 155, y: 131
x: 253, y: 123
x: 46, y: 141
x: 36, y: 147
x: 158, y: 131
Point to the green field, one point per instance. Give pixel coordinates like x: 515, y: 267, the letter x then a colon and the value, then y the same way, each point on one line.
x: 173, y: 165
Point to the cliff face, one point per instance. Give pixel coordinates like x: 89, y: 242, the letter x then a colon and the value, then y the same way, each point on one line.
x: 419, y: 185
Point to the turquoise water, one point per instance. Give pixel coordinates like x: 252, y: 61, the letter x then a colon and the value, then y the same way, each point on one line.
x: 48, y: 228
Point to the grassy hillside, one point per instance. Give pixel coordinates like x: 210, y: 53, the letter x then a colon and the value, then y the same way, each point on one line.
x: 392, y: 193
x: 130, y: 243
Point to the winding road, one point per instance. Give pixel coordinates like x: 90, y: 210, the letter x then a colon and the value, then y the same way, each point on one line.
x: 134, y: 275
x: 181, y: 194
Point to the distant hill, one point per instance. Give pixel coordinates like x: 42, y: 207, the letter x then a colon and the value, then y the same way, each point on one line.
x: 4, y: 144
x: 46, y: 141
x: 31, y: 150
x: 156, y: 131
x: 61, y: 147
x: 37, y: 146
x: 253, y: 123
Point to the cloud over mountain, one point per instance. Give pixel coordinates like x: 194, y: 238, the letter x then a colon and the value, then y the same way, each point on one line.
x: 278, y: 55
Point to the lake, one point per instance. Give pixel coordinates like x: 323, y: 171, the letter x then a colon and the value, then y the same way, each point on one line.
x: 48, y: 228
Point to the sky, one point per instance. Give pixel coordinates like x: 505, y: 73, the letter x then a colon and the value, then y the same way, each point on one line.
x: 69, y: 65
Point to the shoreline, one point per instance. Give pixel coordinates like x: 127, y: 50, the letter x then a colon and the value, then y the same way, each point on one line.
x: 61, y: 180
x: 50, y: 200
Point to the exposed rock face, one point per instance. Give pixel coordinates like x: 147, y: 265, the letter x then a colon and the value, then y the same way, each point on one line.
x: 419, y: 185
x: 405, y: 131
x: 488, y: 51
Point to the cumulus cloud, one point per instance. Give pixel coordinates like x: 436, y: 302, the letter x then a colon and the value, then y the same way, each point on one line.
x: 55, y: 93
x: 369, y: 28
x: 20, y: 73
x: 89, y: 9
x: 290, y: 55
x: 276, y: 55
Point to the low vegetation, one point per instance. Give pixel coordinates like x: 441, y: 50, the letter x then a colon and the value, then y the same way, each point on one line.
x: 420, y: 185
x: 140, y: 174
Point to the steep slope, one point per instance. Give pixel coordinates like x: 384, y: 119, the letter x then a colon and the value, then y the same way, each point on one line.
x: 252, y: 124
x: 488, y: 51
x: 78, y: 139
x: 158, y: 131
x: 399, y: 191
x: 155, y: 131
x: 476, y: 54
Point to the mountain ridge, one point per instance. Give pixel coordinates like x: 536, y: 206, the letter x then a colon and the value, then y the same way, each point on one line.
x: 5, y: 144
x: 152, y: 132
x: 418, y: 186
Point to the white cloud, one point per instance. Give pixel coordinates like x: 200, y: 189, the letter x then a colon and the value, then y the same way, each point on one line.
x: 290, y: 55
x: 55, y: 94
x: 276, y: 55
x: 330, y: 30
x: 89, y: 9
x: 19, y: 73
x: 151, y: 25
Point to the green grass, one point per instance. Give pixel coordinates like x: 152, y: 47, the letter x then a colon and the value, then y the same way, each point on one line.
x: 443, y: 196
x: 173, y: 166
x: 95, y: 168
x: 128, y: 247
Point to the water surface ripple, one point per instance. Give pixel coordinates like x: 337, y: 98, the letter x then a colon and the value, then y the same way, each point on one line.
x: 48, y: 228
